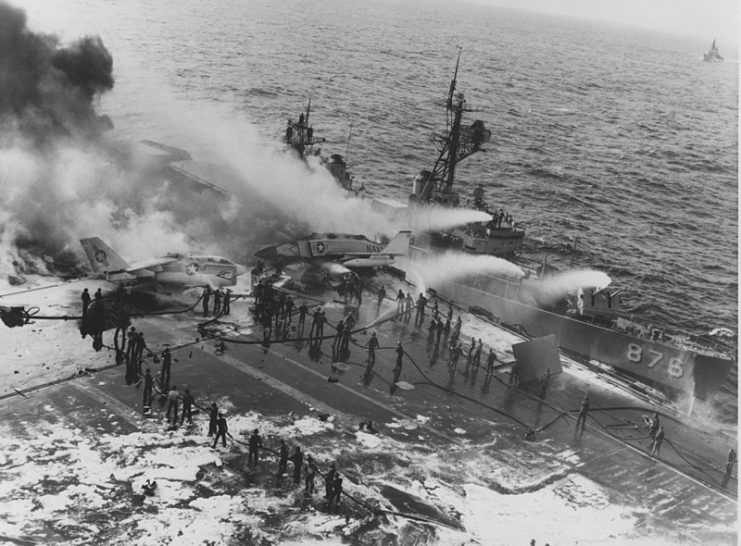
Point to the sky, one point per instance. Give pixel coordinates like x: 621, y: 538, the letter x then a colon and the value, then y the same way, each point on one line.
x: 700, y: 19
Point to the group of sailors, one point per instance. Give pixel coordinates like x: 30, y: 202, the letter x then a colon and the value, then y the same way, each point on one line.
x: 500, y: 219
x: 274, y: 306
x: 95, y: 315
x: 271, y: 305
x: 219, y: 430
x: 222, y: 301
x: 405, y: 305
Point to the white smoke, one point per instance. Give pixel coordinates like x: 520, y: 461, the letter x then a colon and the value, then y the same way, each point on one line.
x: 306, y: 194
x: 303, y: 190
x: 554, y: 287
x: 432, y: 218
x: 434, y: 270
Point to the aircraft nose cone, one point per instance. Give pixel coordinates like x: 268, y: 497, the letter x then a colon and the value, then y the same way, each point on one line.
x: 241, y: 270
x: 267, y: 253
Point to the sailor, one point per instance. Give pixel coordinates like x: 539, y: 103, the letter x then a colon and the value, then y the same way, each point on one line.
x: 372, y: 346
x: 302, y: 312
x: 476, y: 361
x: 289, y: 132
x: 349, y: 322
x: 227, y: 301
x: 165, y: 374
x: 278, y: 309
x: 367, y: 426
x: 149, y: 487
x: 344, y: 343
x: 85, y: 302
x: 397, y: 368
x: 187, y: 408
x: 380, y: 297
x: 454, y: 356
x: 298, y: 460
x: 399, y: 304
x: 431, y: 334
x: 399, y: 358
x: 359, y: 292
x: 217, y: 301
x: 120, y: 297
x: 439, y: 333
x: 301, y: 120
x: 420, y: 316
x: 334, y: 501
x: 655, y: 424
x: 314, y: 322
x: 581, y: 420
x: 282, y: 459
x: 309, y: 478
x: 450, y: 312
x: 213, y: 415
x: 408, y: 309
x: 453, y: 341
x: 329, y: 481
x: 658, y: 440
x: 140, y: 346
x: 338, y: 336
x: 267, y: 331
x: 100, y: 321
x: 131, y: 335
x: 147, y: 398
x: 206, y: 298
x: 255, y: 444
x: 544, y: 382
x: 477, y: 354
x: 457, y: 327
x: 729, y: 467
x: 320, y: 325
x: 469, y: 356
x: 514, y: 375
x: 221, y: 430
x: 259, y: 291
x: 490, y: 362
x: 172, y: 404
x: 287, y: 309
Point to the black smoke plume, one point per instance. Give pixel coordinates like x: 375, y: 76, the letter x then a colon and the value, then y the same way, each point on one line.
x: 47, y: 90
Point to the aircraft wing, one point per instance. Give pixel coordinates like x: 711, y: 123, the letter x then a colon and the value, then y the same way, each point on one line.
x: 148, y: 264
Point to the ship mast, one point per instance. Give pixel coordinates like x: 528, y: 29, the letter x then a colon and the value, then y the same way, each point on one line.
x: 300, y: 134
x: 455, y: 129
x: 458, y: 143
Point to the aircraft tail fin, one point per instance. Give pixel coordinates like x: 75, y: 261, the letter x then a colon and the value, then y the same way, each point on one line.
x: 102, y: 258
x: 399, y: 245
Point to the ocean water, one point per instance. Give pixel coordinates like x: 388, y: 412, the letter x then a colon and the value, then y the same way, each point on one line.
x: 619, y: 140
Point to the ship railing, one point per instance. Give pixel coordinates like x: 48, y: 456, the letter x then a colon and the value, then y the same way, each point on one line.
x: 679, y: 338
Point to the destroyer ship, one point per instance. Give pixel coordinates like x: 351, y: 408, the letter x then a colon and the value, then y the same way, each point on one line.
x: 713, y: 55
x: 589, y: 326
x: 499, y: 236
x: 300, y: 139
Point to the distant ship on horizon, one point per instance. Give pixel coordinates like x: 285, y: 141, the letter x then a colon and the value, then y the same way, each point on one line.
x: 713, y: 55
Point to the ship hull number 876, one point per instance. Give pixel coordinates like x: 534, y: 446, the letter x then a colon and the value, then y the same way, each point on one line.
x: 652, y: 358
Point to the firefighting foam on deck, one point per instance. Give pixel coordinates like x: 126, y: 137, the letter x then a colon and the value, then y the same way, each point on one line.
x: 375, y: 377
